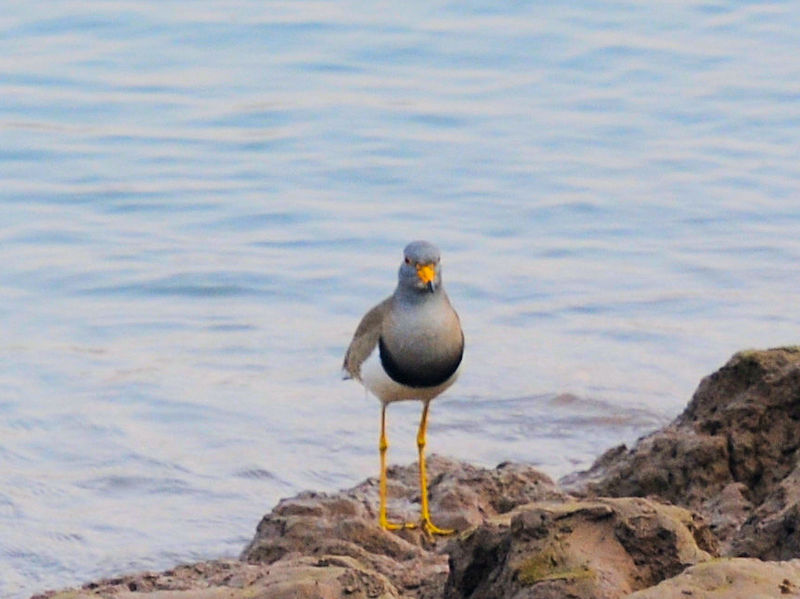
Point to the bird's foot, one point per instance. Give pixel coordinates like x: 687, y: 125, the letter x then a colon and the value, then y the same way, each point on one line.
x: 431, y: 529
x: 386, y: 525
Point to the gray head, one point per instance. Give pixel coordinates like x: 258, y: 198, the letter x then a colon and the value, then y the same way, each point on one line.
x: 420, y: 271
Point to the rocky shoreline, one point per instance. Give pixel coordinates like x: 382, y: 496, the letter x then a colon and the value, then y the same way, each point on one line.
x: 706, y: 507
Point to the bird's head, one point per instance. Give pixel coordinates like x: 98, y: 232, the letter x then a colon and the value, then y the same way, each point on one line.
x: 420, y: 269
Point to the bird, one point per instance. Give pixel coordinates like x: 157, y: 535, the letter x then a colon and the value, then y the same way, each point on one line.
x: 409, y: 347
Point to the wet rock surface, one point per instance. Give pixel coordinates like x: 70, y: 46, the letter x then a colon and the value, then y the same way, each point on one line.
x: 649, y: 521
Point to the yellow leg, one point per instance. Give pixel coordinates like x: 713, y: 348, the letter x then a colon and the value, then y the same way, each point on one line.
x: 383, y: 445
x: 427, y: 525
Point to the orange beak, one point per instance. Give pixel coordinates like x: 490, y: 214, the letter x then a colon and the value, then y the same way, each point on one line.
x: 427, y: 274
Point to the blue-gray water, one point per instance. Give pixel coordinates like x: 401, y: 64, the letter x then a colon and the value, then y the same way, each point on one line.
x: 199, y: 200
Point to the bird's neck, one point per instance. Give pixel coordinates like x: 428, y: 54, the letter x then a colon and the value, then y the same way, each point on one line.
x: 414, y: 296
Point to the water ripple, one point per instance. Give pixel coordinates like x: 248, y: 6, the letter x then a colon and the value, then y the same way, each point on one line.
x: 200, y: 201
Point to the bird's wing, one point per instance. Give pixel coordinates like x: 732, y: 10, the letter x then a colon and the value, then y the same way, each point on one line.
x: 365, y: 339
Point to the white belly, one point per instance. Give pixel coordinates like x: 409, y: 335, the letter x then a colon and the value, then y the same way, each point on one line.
x: 374, y: 378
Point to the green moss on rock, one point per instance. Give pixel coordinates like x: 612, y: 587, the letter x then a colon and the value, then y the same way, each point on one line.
x: 549, y: 565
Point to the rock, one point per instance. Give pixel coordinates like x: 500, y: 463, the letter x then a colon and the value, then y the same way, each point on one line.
x: 599, y: 549
x: 302, y: 578
x: 724, y: 477
x: 771, y: 532
x: 736, y: 578
x: 345, y: 523
x: 729, y: 456
x: 330, y: 545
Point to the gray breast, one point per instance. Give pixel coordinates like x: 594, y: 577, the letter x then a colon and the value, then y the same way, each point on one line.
x: 422, y: 347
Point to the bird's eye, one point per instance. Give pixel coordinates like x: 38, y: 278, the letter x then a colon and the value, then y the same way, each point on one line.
x: 408, y: 260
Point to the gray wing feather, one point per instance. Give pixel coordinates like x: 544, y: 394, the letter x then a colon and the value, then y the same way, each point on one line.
x: 365, y: 339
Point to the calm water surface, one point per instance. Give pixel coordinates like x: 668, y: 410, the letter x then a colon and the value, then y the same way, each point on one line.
x: 200, y: 199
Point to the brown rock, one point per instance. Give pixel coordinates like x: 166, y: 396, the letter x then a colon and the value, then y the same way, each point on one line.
x: 301, y: 578
x: 729, y: 455
x: 771, y: 532
x: 732, y: 456
x: 737, y: 578
x: 330, y: 545
x: 345, y: 523
x: 599, y: 549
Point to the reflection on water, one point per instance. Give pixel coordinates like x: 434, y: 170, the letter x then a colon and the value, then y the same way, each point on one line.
x: 199, y: 202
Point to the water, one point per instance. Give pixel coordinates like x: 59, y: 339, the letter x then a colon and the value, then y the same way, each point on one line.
x: 200, y: 199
